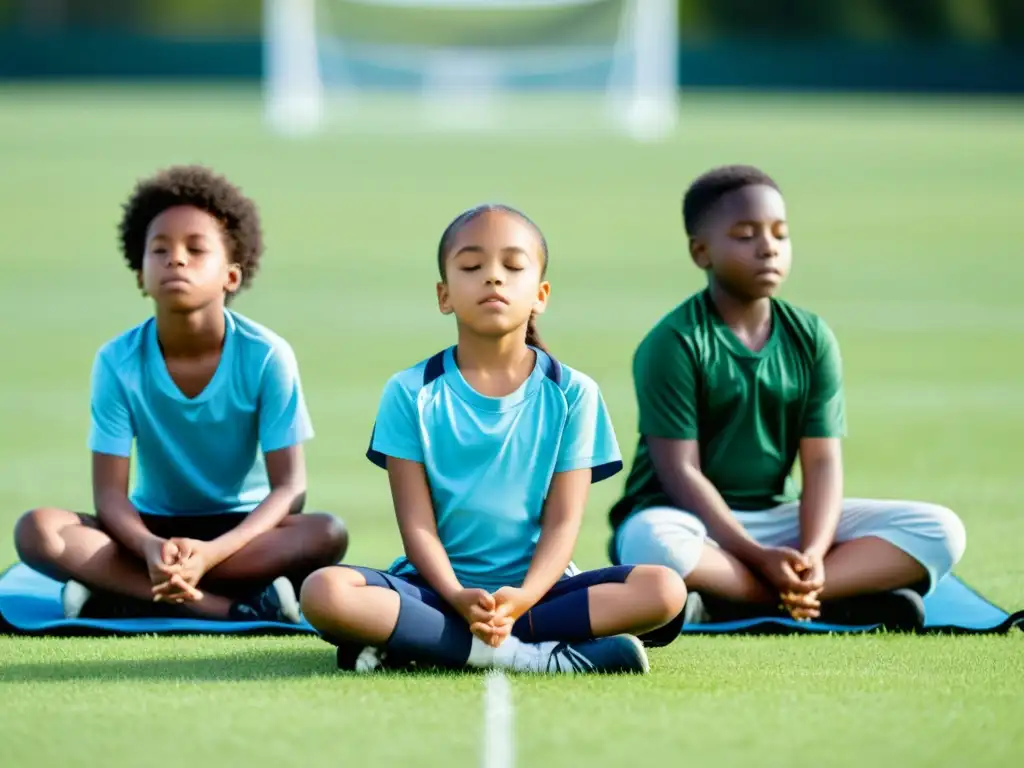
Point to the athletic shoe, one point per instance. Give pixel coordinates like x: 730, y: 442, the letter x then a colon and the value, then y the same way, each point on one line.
x: 368, y: 660
x: 80, y: 602
x: 618, y: 654
x: 901, y: 610
x: 365, y: 659
x: 275, y: 603
x: 695, y: 611
x: 73, y: 598
x: 720, y: 610
x: 605, y: 655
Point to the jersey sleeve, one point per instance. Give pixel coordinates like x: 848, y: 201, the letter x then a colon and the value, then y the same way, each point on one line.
x: 111, y: 429
x: 826, y: 406
x: 283, y: 417
x: 665, y: 380
x: 396, y: 430
x: 588, y: 438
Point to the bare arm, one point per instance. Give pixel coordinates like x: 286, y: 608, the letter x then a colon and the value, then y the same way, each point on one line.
x: 415, y: 512
x: 116, y: 513
x: 821, y: 465
x: 560, y: 528
x: 677, y: 463
x: 286, y: 471
x: 668, y: 380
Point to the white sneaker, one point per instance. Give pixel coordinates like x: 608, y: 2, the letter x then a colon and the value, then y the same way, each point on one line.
x: 615, y: 655
x: 276, y: 603
x: 368, y: 661
x: 516, y: 656
x: 604, y: 655
x: 73, y: 596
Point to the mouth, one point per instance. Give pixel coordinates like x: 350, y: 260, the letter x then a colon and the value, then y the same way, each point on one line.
x: 174, y: 281
x: 493, y: 299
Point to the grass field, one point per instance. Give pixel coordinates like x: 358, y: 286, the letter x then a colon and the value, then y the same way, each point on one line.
x: 906, y: 225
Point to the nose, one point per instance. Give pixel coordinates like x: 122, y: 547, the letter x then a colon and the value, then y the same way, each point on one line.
x: 767, y: 247
x: 494, y: 277
x: 177, y: 256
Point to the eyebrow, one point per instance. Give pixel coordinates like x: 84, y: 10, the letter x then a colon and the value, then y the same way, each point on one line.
x: 755, y: 223
x: 480, y: 249
x: 162, y: 236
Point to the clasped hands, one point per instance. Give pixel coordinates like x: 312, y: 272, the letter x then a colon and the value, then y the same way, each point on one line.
x: 491, y: 616
x: 175, y: 567
x: 799, y: 577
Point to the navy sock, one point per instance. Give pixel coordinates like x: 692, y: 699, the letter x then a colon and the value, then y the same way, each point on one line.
x: 565, y: 619
x: 427, y: 635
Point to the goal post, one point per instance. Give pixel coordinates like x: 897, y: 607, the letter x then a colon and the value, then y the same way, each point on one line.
x: 293, y: 94
x: 471, y: 65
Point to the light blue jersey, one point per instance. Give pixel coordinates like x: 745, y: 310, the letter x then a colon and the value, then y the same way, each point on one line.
x: 489, y: 460
x: 200, y: 455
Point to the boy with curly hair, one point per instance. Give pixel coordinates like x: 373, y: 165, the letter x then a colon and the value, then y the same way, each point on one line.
x: 213, y: 404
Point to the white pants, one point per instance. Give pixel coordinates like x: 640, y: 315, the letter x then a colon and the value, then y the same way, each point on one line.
x: 932, y: 535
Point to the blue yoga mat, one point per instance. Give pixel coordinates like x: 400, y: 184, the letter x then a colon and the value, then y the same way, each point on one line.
x: 30, y: 605
x: 952, y: 607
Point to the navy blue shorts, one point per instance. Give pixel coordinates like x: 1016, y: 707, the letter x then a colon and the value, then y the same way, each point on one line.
x: 416, y: 587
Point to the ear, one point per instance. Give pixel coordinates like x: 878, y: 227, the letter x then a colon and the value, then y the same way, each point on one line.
x: 234, y: 278
x: 139, y: 281
x: 541, y: 302
x: 699, y: 253
x: 443, y: 301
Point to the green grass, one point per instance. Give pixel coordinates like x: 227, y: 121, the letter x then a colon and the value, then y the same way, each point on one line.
x: 905, y: 217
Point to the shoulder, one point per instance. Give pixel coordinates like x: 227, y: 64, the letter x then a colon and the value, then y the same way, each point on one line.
x: 807, y: 327
x: 408, y: 382
x: 120, y: 351
x: 257, y: 340
x: 574, y: 385
x: 684, y: 333
x: 685, y: 324
x: 264, y: 357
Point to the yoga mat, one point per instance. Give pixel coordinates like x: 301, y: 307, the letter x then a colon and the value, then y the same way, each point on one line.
x: 30, y: 605
x: 952, y: 607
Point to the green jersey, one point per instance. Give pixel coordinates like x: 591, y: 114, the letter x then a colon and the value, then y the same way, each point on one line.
x: 747, y: 410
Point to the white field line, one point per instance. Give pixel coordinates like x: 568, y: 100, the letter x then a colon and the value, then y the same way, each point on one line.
x: 498, y: 737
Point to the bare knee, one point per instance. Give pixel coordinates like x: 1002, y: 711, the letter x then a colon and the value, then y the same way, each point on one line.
x: 37, y: 534
x: 662, y: 590
x: 323, y: 592
x: 328, y: 537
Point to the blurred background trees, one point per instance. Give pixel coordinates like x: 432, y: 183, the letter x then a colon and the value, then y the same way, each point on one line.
x: 975, y: 22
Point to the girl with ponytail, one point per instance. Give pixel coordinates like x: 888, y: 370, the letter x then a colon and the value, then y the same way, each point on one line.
x: 491, y: 447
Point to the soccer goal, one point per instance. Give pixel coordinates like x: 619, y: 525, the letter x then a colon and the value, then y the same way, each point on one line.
x: 513, y: 66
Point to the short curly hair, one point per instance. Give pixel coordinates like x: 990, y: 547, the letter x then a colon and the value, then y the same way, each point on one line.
x: 202, y: 188
x: 708, y: 188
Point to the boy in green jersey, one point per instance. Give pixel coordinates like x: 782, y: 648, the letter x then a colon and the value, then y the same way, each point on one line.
x: 733, y: 386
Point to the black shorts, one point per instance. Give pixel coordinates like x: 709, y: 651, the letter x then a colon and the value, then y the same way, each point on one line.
x: 199, y: 527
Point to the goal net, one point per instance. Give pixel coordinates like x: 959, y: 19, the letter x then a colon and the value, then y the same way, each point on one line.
x: 514, y: 66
